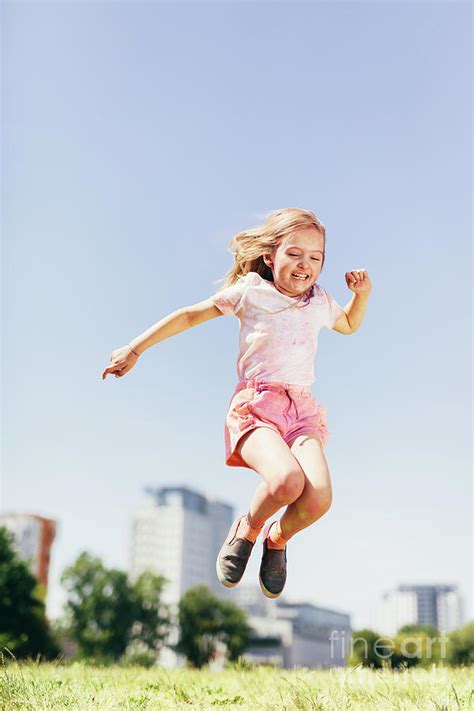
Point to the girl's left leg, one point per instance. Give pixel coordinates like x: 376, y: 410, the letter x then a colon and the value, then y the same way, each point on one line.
x: 316, y: 498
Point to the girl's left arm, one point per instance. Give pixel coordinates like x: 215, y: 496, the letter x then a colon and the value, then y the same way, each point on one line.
x: 353, y: 313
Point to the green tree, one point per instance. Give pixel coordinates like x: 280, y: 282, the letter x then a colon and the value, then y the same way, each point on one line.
x: 413, y: 645
x: 460, y: 646
x: 430, y: 630
x: 370, y: 649
x: 105, y: 613
x: 416, y: 645
x: 99, y: 609
x: 24, y: 629
x: 205, y: 619
x: 151, y: 617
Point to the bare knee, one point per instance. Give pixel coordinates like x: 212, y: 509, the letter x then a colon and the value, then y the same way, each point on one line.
x: 315, y: 505
x: 287, y: 486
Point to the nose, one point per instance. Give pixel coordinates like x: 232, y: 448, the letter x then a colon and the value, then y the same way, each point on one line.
x: 304, y: 264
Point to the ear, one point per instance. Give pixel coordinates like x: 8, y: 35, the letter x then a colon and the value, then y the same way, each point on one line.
x: 268, y: 260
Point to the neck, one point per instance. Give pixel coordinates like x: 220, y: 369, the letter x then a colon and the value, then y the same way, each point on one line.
x: 293, y: 296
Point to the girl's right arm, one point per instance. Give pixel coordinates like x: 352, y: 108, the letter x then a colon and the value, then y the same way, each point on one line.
x: 124, y: 358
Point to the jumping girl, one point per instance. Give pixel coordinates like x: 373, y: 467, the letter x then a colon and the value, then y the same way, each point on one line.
x: 273, y: 425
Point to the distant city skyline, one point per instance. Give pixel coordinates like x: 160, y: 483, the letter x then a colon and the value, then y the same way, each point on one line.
x: 138, y: 139
x: 439, y: 605
x: 163, y: 536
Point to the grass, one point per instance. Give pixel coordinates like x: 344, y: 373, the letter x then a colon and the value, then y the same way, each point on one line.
x: 77, y: 686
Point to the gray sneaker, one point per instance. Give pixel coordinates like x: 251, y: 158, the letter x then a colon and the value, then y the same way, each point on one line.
x: 272, y: 576
x: 233, y: 557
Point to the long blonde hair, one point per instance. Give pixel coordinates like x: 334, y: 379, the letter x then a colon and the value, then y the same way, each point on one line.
x: 249, y: 246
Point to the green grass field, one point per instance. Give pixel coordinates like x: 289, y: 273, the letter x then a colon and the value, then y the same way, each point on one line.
x: 50, y: 686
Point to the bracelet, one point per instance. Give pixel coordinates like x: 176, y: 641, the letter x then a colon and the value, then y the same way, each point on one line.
x: 137, y: 354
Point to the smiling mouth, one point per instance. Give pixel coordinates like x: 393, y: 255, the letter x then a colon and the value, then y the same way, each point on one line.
x: 300, y: 277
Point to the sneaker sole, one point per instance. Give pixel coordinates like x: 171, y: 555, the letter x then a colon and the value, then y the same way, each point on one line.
x: 266, y: 592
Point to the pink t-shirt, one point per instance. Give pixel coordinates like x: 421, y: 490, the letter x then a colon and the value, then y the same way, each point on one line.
x: 276, y: 346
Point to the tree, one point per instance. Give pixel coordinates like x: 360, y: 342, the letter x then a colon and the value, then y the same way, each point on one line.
x: 236, y: 631
x: 99, y: 610
x: 151, y: 617
x: 413, y: 645
x: 205, y: 619
x: 105, y: 613
x: 417, y: 647
x: 408, y: 629
x: 24, y: 629
x: 461, y: 645
x: 370, y: 649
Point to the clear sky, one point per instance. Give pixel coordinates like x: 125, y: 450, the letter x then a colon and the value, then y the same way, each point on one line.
x: 138, y: 138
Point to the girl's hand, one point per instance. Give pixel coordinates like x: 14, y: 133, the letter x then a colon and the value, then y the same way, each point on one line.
x: 121, y: 361
x: 358, y: 281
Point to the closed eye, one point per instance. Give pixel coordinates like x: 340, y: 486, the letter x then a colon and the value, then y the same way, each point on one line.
x: 297, y: 255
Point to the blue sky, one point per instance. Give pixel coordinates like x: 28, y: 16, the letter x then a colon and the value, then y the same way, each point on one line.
x: 138, y: 138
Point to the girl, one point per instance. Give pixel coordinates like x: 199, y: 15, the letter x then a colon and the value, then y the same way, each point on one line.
x: 273, y: 425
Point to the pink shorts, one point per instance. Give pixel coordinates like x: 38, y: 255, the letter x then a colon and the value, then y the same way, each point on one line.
x: 288, y: 409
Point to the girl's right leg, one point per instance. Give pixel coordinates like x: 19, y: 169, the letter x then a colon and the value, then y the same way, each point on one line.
x: 265, y: 451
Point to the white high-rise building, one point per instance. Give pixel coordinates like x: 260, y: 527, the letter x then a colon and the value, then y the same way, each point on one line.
x: 178, y: 533
x: 396, y: 609
x: 449, y: 609
x: 437, y: 605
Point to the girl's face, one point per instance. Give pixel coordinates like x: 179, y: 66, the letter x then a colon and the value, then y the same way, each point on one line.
x: 299, y: 254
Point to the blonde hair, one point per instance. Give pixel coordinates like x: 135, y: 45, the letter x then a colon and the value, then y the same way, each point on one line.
x: 249, y: 246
